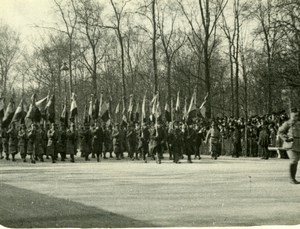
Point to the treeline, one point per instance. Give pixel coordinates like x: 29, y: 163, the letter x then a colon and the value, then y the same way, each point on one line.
x: 241, y: 53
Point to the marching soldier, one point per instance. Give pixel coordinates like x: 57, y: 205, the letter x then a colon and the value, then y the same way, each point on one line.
x: 5, y: 143
x: 176, y: 142
x: 22, y: 142
x: 108, y: 141
x: 156, y: 137
x: 71, y: 142
x: 31, y: 144
x: 86, y: 138
x: 13, y: 141
x: 132, y: 141
x: 144, y: 137
x: 52, y: 139
x: 97, y: 140
x: 39, y: 152
x: 61, y: 141
x: 117, y: 147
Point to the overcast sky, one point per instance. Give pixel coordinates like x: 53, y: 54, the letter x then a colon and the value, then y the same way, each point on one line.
x: 23, y: 14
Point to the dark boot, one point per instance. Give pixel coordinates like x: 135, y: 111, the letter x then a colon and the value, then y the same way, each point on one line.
x: 7, y: 157
x: 293, y: 171
x: 98, y: 157
x: 13, y: 157
x: 87, y: 157
x: 53, y: 159
x: 72, y: 158
x: 32, y: 159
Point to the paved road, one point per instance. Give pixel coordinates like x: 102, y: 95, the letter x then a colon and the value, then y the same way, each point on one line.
x: 225, y: 192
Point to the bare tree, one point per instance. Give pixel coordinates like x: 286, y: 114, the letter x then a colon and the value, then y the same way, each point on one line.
x: 89, y: 18
x: 9, y: 49
x: 210, y: 13
x: 70, y: 20
x: 172, y: 40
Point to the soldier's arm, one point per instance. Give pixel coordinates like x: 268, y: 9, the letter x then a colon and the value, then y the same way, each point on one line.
x: 283, y: 130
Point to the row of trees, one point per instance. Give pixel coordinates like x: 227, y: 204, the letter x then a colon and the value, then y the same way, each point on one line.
x: 239, y: 52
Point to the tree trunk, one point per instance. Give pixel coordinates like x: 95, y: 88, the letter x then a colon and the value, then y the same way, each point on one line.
x: 237, y: 111
x: 154, y: 47
x: 231, y: 80
x: 70, y: 67
x: 123, y: 67
x: 169, y: 98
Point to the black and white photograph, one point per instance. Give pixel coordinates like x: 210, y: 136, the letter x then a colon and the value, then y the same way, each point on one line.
x: 149, y: 113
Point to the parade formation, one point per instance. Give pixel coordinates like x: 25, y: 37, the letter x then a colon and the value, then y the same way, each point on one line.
x: 35, y: 135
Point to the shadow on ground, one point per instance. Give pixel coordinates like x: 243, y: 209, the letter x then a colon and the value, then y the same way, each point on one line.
x: 20, y: 208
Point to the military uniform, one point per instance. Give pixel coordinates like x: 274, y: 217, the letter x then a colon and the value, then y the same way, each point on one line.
x: 97, y: 141
x: 39, y: 152
x: 156, y: 136
x: 176, y: 143
x: 132, y: 142
x: 85, y: 142
x: 5, y: 138
x: 22, y: 143
x: 213, y: 138
x: 143, y: 145
x: 117, y: 147
x: 108, y: 142
x: 12, y: 142
x: 31, y: 144
x: 51, y: 145
x: 71, y: 143
x: 61, y: 143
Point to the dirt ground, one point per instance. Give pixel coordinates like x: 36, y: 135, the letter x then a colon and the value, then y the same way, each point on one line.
x: 206, y: 193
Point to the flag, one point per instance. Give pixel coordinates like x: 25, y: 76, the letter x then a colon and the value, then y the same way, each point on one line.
x: 41, y: 105
x: 117, y: 111
x: 144, y: 108
x: 9, y: 113
x: 34, y: 113
x: 19, y: 113
x: 64, y: 115
x: 167, y: 112
x: 158, y: 110
x: 90, y: 112
x: 192, y: 111
x: 137, y: 112
x: 153, y: 107
x: 105, y: 112
x: 1, y: 107
x: 177, y: 106
x: 185, y: 109
x: 24, y: 112
x: 203, y: 107
x: 100, y: 105
x: 130, y: 109
x: 95, y: 112
x: 124, y: 120
x: 50, y: 109
x: 85, y: 115
x: 73, y: 109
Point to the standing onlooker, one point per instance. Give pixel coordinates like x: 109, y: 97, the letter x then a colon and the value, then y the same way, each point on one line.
x: 264, y: 140
x: 213, y: 138
x: 290, y: 134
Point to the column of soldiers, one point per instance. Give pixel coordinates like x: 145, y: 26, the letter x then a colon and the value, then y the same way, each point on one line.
x: 140, y: 141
